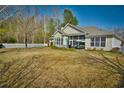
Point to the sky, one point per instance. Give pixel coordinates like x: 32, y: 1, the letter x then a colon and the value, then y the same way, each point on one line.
x: 102, y: 16
x: 107, y: 17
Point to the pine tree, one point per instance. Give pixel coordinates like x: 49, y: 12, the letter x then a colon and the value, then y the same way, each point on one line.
x: 69, y: 18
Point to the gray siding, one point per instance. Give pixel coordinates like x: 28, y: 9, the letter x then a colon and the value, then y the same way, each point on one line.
x: 57, y: 36
x: 107, y: 47
x: 122, y: 49
x: 70, y: 30
x: 116, y: 43
x: 110, y: 43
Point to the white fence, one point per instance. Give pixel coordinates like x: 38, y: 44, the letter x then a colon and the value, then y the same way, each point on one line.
x: 18, y: 45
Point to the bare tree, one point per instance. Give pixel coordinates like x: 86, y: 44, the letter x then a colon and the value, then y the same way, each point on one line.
x: 57, y: 16
x: 46, y: 18
x: 119, y: 31
x: 25, y: 24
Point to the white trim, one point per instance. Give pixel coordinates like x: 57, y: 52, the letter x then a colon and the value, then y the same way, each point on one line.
x: 68, y: 24
x: 55, y: 32
x: 99, y: 42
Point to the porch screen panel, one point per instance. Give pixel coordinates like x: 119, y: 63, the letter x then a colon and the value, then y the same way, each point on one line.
x: 97, y: 41
x: 103, y: 41
x: 92, y: 41
x: 61, y: 41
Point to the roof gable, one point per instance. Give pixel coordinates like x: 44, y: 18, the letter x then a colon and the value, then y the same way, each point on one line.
x: 72, y: 30
x: 58, y: 32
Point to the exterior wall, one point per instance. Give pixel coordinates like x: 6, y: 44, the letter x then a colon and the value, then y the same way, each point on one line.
x: 110, y: 43
x: 87, y: 43
x: 116, y: 43
x: 57, y: 35
x: 70, y: 30
x: 65, y: 41
x: 108, y: 46
x: 122, y: 49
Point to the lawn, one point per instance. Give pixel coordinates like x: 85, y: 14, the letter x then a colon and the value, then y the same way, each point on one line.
x: 48, y: 67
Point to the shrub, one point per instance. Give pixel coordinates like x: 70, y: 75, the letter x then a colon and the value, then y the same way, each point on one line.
x: 89, y: 49
x: 54, y: 47
x: 12, y: 40
x: 71, y: 49
x: 101, y: 49
x: 94, y: 49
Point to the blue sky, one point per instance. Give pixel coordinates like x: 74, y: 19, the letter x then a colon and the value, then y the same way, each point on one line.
x: 106, y: 17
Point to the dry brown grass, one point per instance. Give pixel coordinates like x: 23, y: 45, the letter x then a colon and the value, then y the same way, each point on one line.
x: 46, y: 67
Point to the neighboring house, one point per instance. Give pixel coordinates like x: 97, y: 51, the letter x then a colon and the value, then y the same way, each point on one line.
x: 85, y: 37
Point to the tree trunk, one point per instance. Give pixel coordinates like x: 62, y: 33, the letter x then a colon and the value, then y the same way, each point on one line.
x: 26, y: 40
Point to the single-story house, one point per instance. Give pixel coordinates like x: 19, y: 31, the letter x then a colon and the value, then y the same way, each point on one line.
x: 85, y: 37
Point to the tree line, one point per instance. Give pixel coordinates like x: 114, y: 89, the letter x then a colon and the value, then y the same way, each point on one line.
x: 33, y: 24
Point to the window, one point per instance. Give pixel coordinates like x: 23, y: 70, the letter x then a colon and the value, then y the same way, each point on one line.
x: 74, y: 43
x: 70, y: 38
x: 92, y: 41
x: 97, y: 41
x: 75, y: 37
x: 103, y: 41
x: 70, y: 42
x: 57, y: 41
x: 82, y: 37
x: 61, y: 41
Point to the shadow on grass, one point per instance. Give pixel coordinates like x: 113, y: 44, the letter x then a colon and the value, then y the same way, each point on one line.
x: 113, y: 66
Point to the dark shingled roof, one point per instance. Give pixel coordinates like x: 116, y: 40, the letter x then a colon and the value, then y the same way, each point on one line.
x: 91, y: 30
x: 94, y: 31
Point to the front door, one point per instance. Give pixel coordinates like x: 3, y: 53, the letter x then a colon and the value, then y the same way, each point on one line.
x: 70, y: 44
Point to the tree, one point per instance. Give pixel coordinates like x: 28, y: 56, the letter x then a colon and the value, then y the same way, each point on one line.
x: 3, y: 31
x: 69, y: 18
x: 28, y: 24
x: 51, y: 27
x: 119, y: 31
x: 6, y: 33
x: 25, y: 23
x: 6, y: 18
x: 39, y: 36
x: 57, y: 17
